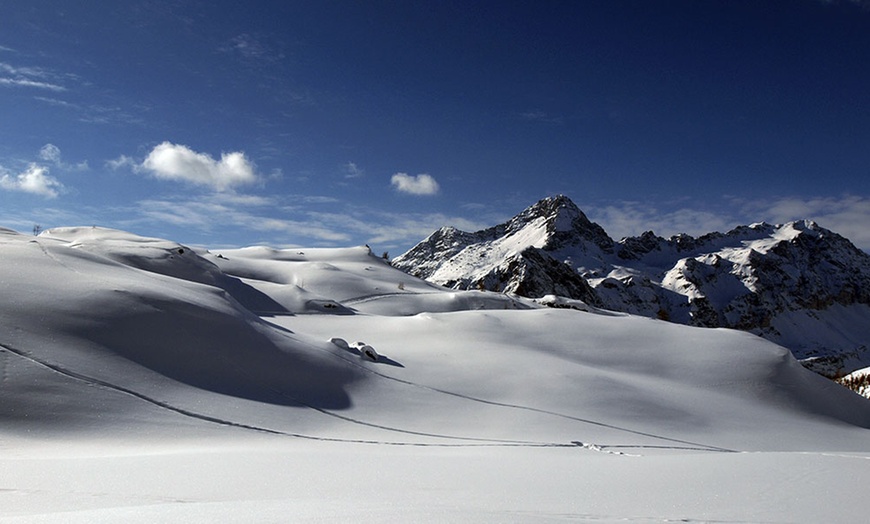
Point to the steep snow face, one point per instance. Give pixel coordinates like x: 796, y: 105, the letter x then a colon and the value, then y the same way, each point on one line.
x: 742, y: 279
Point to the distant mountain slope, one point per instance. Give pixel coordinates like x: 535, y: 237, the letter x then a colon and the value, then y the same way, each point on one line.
x: 797, y: 284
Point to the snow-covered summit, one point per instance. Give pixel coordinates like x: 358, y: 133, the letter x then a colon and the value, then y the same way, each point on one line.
x: 785, y: 282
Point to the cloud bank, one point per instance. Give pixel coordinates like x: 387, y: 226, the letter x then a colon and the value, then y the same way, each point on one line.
x: 179, y: 163
x: 421, y: 184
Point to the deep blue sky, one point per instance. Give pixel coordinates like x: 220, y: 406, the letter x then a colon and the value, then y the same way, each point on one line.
x: 344, y: 123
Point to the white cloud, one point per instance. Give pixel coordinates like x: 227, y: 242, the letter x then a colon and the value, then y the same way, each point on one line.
x: 177, y: 162
x: 34, y: 180
x: 421, y: 184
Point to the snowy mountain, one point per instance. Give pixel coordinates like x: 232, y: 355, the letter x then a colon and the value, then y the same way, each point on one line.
x: 796, y: 284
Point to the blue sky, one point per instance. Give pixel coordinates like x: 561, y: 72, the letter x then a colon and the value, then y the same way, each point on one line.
x: 341, y: 123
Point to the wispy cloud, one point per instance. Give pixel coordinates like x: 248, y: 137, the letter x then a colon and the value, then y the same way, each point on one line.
x: 122, y: 162
x: 61, y: 84
x: 51, y: 153
x: 217, y: 212
x: 541, y: 116
x: 630, y: 218
x: 422, y: 184
x: 24, y: 82
x: 864, y: 4
x: 252, y: 48
x: 177, y: 162
x: 57, y: 102
x: 35, y: 180
x: 848, y: 215
x: 351, y: 170
x: 35, y: 77
x: 307, y: 220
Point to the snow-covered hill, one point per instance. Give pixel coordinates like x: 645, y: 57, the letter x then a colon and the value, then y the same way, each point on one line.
x: 796, y: 284
x: 142, y: 380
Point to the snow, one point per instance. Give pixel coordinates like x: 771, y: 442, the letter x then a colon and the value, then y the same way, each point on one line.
x: 139, y: 384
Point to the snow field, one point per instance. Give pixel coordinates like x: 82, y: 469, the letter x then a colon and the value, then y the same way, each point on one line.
x: 139, y: 383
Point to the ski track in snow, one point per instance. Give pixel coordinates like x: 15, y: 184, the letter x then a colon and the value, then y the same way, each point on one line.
x: 377, y: 296
x: 224, y: 422
x: 468, y: 441
x: 694, y: 446
x: 51, y: 256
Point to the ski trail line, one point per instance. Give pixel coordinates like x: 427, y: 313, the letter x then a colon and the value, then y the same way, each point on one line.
x: 693, y: 445
x: 474, y: 442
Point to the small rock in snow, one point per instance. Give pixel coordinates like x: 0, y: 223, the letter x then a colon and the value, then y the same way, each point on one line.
x: 340, y: 342
x: 369, y: 353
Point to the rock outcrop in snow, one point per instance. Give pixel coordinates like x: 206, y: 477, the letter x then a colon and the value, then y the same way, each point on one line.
x: 797, y: 284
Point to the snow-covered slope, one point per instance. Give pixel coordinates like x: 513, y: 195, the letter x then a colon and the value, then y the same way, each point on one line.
x: 796, y: 284
x: 141, y: 381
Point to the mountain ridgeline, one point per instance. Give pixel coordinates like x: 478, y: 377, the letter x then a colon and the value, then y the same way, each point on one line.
x: 797, y: 284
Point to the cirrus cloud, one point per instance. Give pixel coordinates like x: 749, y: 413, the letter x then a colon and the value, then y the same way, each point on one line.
x: 177, y: 162
x: 422, y: 184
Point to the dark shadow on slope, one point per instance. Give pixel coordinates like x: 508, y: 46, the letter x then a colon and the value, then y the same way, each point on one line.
x: 252, y: 298
x: 388, y: 361
x: 225, y: 354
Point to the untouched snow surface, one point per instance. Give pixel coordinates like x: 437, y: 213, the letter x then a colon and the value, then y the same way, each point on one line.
x: 143, y: 381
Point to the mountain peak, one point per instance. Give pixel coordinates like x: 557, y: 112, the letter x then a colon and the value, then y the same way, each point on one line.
x: 566, y: 224
x: 559, y: 210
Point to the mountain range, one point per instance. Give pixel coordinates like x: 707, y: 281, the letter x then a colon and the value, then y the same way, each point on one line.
x: 796, y: 284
